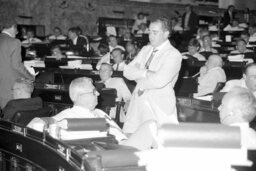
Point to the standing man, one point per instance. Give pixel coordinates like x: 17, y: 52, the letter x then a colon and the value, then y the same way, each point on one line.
x: 155, y: 69
x: 190, y: 20
x: 11, y: 66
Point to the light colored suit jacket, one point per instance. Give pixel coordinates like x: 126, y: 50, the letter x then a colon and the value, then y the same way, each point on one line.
x: 123, y: 93
x: 158, y: 100
x: 11, y: 66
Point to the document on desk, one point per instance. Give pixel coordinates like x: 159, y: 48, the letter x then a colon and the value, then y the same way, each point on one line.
x: 205, y: 98
x: 73, y: 135
x: 74, y: 57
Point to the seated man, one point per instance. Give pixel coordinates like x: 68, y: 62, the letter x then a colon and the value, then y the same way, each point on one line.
x: 143, y: 29
x: 252, y: 32
x: 193, y: 51
x: 57, y: 34
x: 241, y: 47
x: 57, y: 52
x: 118, y: 57
x: 123, y: 92
x: 210, y: 75
x: 84, y: 97
x: 22, y: 90
x: 248, y: 81
x: 207, y: 45
x: 238, y: 108
x: 131, y: 51
x: 30, y: 39
x: 112, y: 42
x: 78, y: 44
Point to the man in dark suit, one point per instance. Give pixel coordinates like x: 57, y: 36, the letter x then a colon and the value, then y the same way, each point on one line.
x: 190, y: 20
x: 11, y: 66
x: 78, y: 44
x: 229, y: 16
x: 22, y: 90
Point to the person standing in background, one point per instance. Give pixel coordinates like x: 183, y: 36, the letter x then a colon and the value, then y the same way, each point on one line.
x: 190, y: 20
x: 11, y: 66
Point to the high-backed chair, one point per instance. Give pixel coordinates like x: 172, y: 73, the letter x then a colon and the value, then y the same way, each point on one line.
x: 24, y: 117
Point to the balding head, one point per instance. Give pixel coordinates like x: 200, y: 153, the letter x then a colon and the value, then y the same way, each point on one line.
x: 82, y: 92
x: 214, y: 61
x: 238, y: 105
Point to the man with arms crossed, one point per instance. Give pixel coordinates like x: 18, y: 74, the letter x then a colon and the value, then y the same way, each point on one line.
x: 155, y: 69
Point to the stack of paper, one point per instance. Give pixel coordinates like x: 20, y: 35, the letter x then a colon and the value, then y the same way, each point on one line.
x: 72, y: 135
x: 236, y: 58
x: 34, y: 63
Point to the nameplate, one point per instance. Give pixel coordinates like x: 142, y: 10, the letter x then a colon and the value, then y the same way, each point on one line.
x: 19, y: 130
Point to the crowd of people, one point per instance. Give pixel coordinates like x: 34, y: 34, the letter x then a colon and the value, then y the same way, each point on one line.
x: 155, y: 69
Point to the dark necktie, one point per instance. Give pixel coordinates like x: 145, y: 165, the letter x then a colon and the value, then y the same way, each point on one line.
x: 150, y: 58
x: 117, y: 67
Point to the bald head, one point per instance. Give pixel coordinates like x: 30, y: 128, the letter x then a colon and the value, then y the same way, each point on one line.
x: 238, y: 105
x: 214, y: 61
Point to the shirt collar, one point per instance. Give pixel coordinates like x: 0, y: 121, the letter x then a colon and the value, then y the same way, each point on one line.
x: 158, y: 48
x: 5, y: 32
x: 75, y: 40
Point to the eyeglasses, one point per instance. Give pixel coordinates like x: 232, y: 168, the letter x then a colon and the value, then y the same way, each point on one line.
x: 94, y: 92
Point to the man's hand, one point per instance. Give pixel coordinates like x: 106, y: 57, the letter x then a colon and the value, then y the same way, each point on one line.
x: 150, y: 73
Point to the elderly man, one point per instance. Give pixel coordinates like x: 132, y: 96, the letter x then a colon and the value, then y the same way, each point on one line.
x: 22, y: 90
x: 241, y: 47
x: 84, y: 96
x: 123, y: 93
x: 11, y: 66
x: 155, y: 69
x: 248, y: 81
x: 238, y: 108
x: 210, y: 75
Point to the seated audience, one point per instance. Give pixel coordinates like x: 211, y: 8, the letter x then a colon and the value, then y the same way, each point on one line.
x: 112, y: 42
x: 140, y: 18
x: 252, y: 32
x: 238, y: 108
x: 143, y: 29
x: 207, y: 45
x: 56, y: 52
x: 103, y: 49
x: 22, y: 101
x: 193, y: 51
x: 241, y: 47
x: 131, y: 51
x: 123, y: 93
x: 245, y: 36
x: 234, y: 26
x: 201, y: 32
x: 57, y: 34
x: 248, y: 81
x: 84, y: 97
x: 77, y: 44
x: 118, y: 57
x: 126, y: 37
x: 30, y: 39
x: 176, y: 26
x: 210, y: 75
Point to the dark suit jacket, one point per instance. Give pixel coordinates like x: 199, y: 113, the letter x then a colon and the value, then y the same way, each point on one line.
x: 226, y: 20
x: 80, y: 46
x: 17, y: 105
x: 192, y: 22
x: 11, y: 66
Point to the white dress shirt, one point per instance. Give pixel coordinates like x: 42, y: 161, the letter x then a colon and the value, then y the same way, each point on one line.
x: 208, y: 81
x: 235, y: 83
x: 248, y: 135
x: 120, y: 66
x: 80, y: 112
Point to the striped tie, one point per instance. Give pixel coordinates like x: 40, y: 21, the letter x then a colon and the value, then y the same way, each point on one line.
x: 150, y: 58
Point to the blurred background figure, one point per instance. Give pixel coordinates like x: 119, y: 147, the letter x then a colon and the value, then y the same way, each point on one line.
x: 139, y: 19
x: 57, y: 34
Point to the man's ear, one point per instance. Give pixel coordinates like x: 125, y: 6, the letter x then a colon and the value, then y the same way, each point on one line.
x: 244, y: 76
